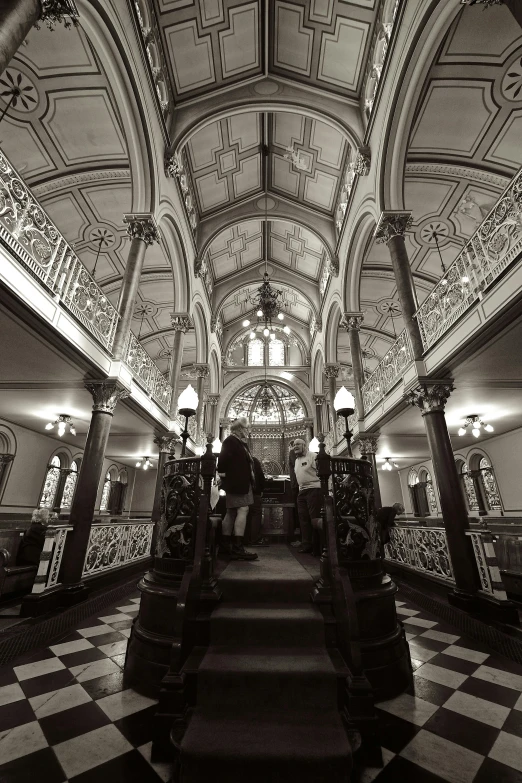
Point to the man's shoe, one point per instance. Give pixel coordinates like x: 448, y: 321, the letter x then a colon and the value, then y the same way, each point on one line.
x: 305, y: 550
x: 240, y: 553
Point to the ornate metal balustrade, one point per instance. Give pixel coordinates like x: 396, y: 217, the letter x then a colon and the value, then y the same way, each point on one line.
x: 51, y: 558
x: 115, y: 545
x: 424, y: 549
x: 388, y: 371
x: 147, y: 373
x: 496, y: 243
x: 33, y: 239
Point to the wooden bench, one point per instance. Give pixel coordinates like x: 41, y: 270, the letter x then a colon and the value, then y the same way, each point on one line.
x: 13, y: 578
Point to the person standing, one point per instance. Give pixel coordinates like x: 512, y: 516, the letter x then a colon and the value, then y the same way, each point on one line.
x: 236, y: 471
x: 310, y: 497
x: 255, y: 513
x: 385, y: 518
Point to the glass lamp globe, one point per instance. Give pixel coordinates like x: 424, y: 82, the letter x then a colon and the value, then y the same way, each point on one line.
x: 476, y: 431
x: 259, y: 313
x: 188, y: 400
x: 266, y: 332
x: 246, y: 322
x: 286, y: 329
x: 489, y: 428
x: 252, y: 335
x: 462, y: 431
x: 314, y: 446
x: 49, y: 426
x: 344, y: 400
x: 280, y: 316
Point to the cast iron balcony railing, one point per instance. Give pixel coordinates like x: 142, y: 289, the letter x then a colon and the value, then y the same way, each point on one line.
x: 32, y: 238
x: 388, y: 371
x: 146, y: 372
x: 496, y: 243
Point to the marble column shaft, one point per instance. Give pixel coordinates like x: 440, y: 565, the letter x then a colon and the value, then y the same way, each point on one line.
x: 143, y: 232
x: 353, y: 324
x: 181, y: 322
x: 106, y: 395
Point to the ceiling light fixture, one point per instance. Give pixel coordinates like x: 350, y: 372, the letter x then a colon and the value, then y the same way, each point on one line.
x: 144, y: 463
x: 475, y: 422
x: 388, y: 465
x: 62, y: 422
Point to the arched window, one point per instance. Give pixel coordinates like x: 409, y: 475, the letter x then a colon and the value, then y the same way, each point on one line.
x: 6, y: 459
x: 430, y: 494
x: 469, y: 488
x: 276, y: 353
x: 52, y: 479
x: 70, y: 486
x: 489, y: 484
x: 256, y: 353
x: 104, y: 502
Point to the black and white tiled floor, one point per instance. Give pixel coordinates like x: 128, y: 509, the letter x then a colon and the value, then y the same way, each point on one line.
x: 66, y: 716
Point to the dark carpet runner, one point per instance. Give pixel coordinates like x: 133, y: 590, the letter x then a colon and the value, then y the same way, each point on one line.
x: 267, y: 705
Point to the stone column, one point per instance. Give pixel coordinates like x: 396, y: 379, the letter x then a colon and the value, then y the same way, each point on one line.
x: 431, y: 397
x: 181, y: 322
x: 367, y: 442
x: 309, y: 425
x: 17, y: 17
x: 318, y: 400
x: 353, y: 322
x: 331, y: 372
x: 202, y: 372
x: 106, y: 395
x: 143, y: 232
x: 212, y: 407
x: 391, y: 229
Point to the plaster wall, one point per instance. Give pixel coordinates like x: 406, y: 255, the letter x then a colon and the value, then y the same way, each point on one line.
x: 143, y: 495
x: 20, y: 492
x: 390, y: 485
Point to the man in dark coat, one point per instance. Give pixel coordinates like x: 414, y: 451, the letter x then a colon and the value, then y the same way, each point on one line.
x: 255, y: 513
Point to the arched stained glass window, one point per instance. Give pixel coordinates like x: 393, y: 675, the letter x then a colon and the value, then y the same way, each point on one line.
x: 276, y: 353
x: 70, y: 486
x: 413, y: 478
x: 256, y: 353
x: 430, y: 494
x: 52, y: 479
x: 104, y: 502
x: 489, y: 483
x: 469, y: 488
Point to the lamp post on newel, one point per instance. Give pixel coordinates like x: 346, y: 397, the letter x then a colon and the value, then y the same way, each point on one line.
x: 187, y: 407
x: 344, y: 405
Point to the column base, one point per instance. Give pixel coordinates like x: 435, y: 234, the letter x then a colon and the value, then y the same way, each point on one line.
x: 501, y: 611
x: 468, y: 602
x: 74, y: 594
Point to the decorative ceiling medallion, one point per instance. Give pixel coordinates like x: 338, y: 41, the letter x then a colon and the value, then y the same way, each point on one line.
x: 266, y: 88
x: 435, y: 229
x: 144, y: 310
x: 266, y: 203
x: 164, y: 353
x: 511, y: 86
x: 101, y: 236
x: 389, y: 307
x: 18, y: 92
x: 269, y: 268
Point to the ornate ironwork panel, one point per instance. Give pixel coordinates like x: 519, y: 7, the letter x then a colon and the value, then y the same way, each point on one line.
x: 147, y: 373
x: 56, y: 558
x: 113, y: 545
x: 357, y: 530
x: 424, y: 549
x: 388, y: 371
x: 36, y: 243
x: 180, y: 494
x: 480, y: 559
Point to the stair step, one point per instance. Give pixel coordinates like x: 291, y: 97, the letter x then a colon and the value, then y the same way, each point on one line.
x: 259, y: 678
x: 267, y: 624
x: 266, y: 746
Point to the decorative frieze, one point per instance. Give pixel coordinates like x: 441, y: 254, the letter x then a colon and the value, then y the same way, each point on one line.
x: 181, y: 322
x: 352, y: 321
x: 368, y: 443
x: 392, y: 224
x: 331, y: 370
x: 176, y: 167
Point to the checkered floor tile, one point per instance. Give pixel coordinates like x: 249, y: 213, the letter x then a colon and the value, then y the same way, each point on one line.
x: 65, y: 712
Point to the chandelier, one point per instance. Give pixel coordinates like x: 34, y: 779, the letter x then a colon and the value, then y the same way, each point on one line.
x: 475, y: 422
x: 265, y: 402
x: 62, y: 422
x: 146, y: 463
x: 388, y: 465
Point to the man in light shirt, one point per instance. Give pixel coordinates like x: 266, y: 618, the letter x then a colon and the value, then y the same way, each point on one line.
x: 310, y: 497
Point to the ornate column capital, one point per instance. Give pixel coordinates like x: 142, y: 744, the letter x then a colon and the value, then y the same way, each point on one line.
x: 202, y: 370
x: 430, y: 395
x: 392, y: 224
x: 181, y: 322
x: 166, y: 443
x: 368, y: 442
x: 5, y: 459
x: 58, y: 12
x: 213, y: 400
x: 142, y: 227
x: 106, y: 395
x: 173, y: 165
x: 362, y: 162
x: 352, y: 321
x: 331, y: 370
x: 318, y: 399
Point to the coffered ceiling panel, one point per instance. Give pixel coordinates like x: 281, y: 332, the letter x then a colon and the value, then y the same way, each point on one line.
x: 236, y: 248
x: 296, y: 247
x: 321, y: 42
x: 210, y: 44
